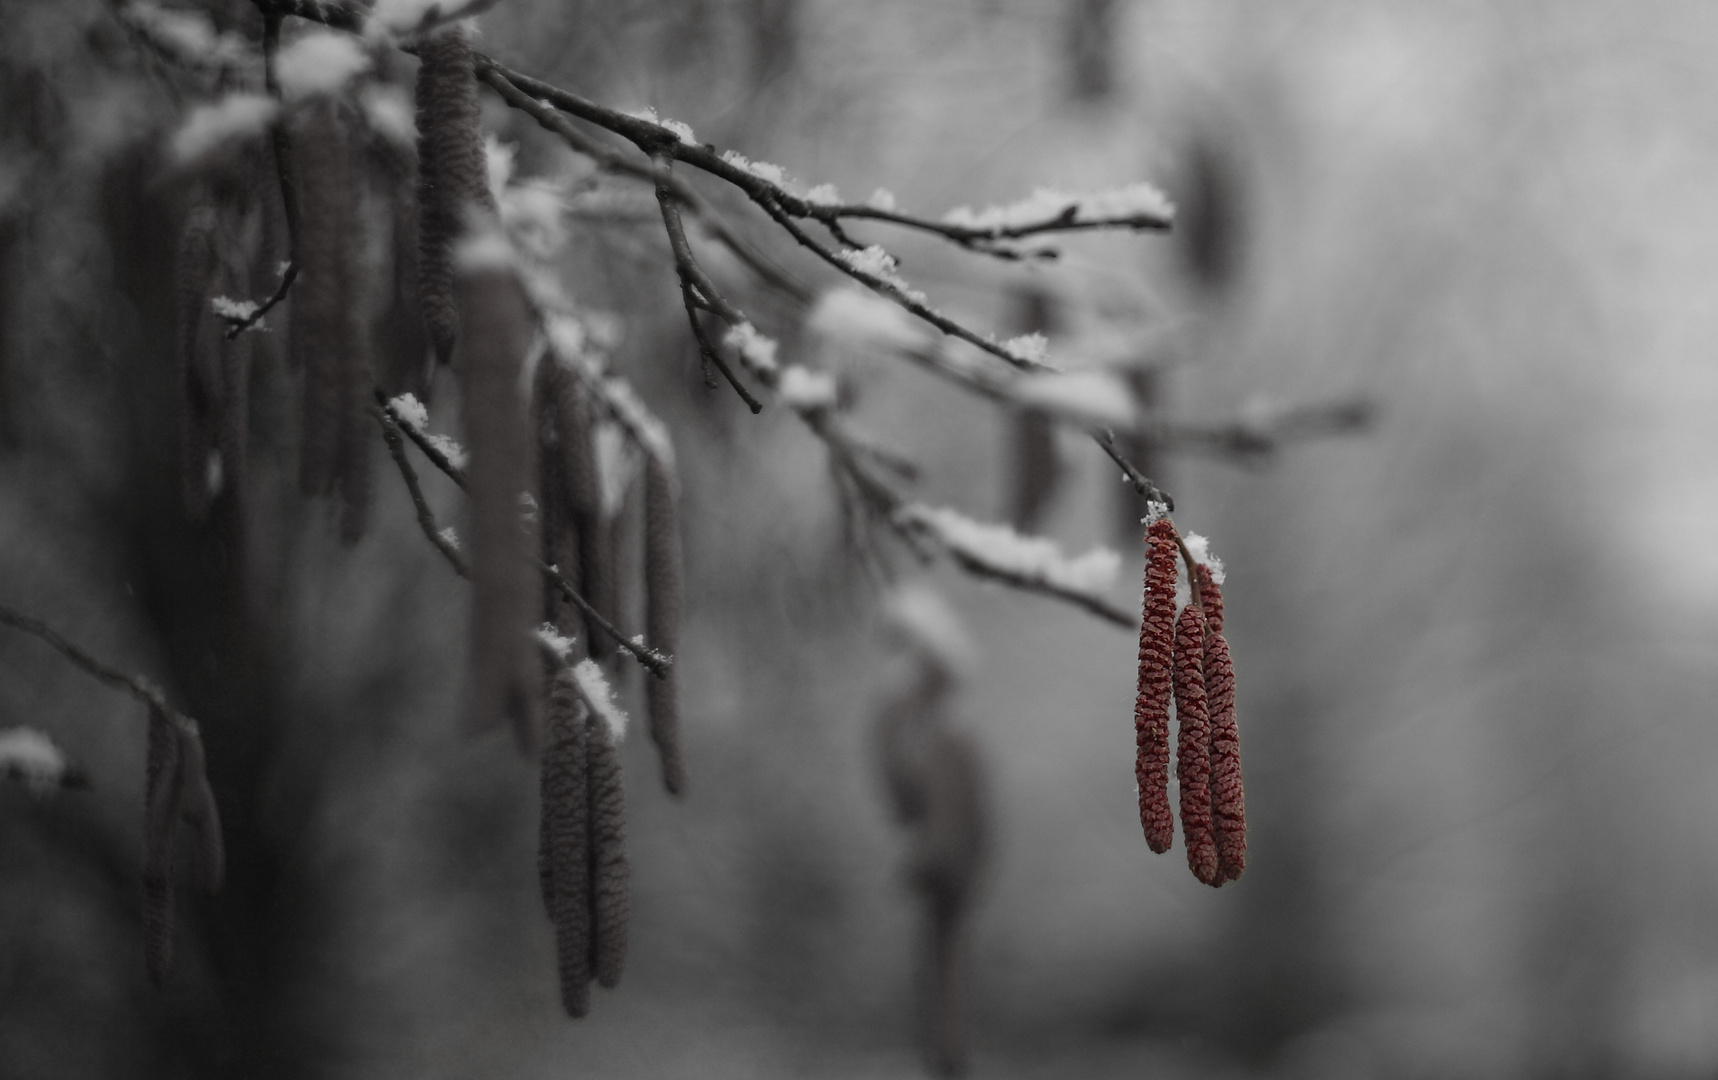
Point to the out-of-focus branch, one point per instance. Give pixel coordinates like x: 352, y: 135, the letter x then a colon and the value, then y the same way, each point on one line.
x: 137, y: 686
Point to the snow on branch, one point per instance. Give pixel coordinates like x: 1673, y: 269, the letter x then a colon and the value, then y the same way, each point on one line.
x: 32, y: 759
x: 1029, y: 562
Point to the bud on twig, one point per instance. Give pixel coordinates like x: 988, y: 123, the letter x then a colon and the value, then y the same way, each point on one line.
x: 1151, y: 702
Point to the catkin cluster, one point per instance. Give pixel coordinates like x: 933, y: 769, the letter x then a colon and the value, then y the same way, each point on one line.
x: 581, y: 846
x: 1186, y: 655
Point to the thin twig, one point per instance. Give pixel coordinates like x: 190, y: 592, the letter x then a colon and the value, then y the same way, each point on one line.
x: 237, y: 326
x: 426, y: 517
x: 137, y: 686
x: 1106, y: 439
x: 618, y: 161
x: 653, y: 659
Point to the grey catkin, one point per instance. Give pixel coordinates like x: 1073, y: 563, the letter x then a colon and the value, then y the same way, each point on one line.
x: 506, y: 677
x: 564, y: 849
x: 662, y: 567
x: 198, y: 356
x: 327, y: 335
x: 200, y: 812
x: 163, y: 788
x: 452, y: 176
x: 560, y: 528
x: 611, y: 897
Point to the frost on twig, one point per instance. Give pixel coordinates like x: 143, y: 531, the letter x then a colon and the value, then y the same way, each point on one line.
x: 1029, y: 562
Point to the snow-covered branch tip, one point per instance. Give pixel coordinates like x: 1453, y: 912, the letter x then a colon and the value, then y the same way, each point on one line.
x: 1032, y: 563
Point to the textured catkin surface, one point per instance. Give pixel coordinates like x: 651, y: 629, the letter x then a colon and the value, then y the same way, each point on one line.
x: 506, y: 601
x: 662, y: 614
x: 1151, y: 701
x: 327, y: 333
x: 1210, y: 600
x: 1193, y: 747
x: 564, y: 850
x: 611, y: 896
x: 162, y: 785
x: 1228, y: 798
x: 451, y: 174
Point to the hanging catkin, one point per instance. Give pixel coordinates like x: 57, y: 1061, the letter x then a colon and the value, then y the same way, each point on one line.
x: 1193, y: 747
x: 452, y: 176
x: 560, y: 529
x: 1151, y: 702
x: 198, y: 356
x: 564, y: 850
x: 662, y: 613
x: 506, y: 677
x: 578, y: 463
x: 200, y: 812
x: 163, y: 786
x: 327, y: 322
x: 1228, y: 797
x: 611, y: 898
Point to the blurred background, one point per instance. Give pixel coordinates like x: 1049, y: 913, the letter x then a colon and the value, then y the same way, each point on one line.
x: 1473, y: 641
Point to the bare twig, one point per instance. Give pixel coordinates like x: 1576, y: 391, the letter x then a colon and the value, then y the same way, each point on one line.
x: 426, y: 517
x: 652, y: 659
x: 137, y: 686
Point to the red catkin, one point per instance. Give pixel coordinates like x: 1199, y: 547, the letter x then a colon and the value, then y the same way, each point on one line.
x: 1210, y: 599
x: 1193, y: 748
x: 563, y: 842
x: 1151, y: 702
x: 611, y: 895
x: 452, y: 176
x: 162, y: 788
x: 506, y: 675
x: 1228, y: 798
x: 662, y: 614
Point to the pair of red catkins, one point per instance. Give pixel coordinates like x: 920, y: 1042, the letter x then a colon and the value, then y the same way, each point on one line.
x: 1189, y: 654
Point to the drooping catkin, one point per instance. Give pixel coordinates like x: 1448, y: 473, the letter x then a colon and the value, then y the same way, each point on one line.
x: 662, y: 613
x: 1151, y: 701
x: 1193, y: 747
x: 564, y: 850
x: 1228, y: 796
x: 452, y: 175
x: 583, y: 488
x: 198, y: 357
x: 506, y: 677
x: 200, y: 812
x: 409, y: 357
x: 163, y: 787
x: 611, y: 895
x: 327, y: 321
